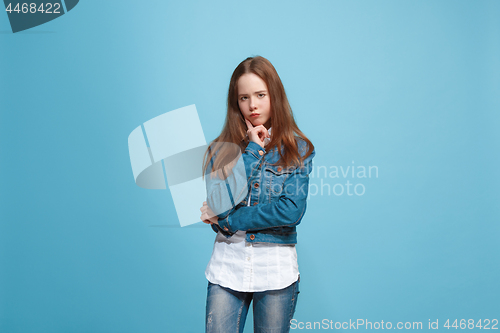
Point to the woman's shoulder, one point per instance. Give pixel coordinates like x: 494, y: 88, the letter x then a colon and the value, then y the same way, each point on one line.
x: 304, y: 146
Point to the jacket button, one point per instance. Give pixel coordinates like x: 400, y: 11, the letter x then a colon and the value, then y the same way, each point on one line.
x: 254, y: 203
x: 252, y: 237
x: 256, y: 185
x: 279, y: 169
x: 261, y: 152
x: 226, y: 229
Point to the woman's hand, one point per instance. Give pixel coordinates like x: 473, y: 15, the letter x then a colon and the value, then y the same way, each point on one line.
x: 257, y: 134
x: 207, y: 216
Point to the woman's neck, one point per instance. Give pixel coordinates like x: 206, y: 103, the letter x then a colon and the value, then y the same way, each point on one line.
x: 267, y: 125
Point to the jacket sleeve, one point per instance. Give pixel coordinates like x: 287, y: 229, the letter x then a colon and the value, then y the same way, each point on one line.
x: 288, y: 210
x: 226, y: 189
x: 224, y: 195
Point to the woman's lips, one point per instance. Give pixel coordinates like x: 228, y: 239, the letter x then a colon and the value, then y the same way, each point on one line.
x: 254, y: 115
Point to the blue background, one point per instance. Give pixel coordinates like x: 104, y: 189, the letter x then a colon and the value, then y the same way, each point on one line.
x: 412, y: 87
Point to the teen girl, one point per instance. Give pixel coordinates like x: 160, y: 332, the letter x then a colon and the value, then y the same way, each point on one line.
x: 254, y: 256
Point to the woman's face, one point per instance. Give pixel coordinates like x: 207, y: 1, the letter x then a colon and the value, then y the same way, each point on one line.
x: 253, y: 99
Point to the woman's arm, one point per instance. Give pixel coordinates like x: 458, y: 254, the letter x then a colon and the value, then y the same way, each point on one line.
x: 228, y: 186
x: 221, y: 195
x: 288, y: 210
x: 222, y: 198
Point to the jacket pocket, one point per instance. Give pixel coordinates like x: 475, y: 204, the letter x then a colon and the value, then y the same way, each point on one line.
x: 277, y: 176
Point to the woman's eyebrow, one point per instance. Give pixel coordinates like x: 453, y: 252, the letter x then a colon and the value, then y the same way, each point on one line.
x: 257, y: 92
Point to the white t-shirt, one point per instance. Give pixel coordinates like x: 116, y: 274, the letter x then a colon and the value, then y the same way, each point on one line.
x: 251, y: 267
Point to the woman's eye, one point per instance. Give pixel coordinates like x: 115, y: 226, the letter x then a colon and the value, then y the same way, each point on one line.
x: 262, y: 95
x: 243, y: 98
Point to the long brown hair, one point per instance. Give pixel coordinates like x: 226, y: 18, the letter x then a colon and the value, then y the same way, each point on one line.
x: 284, y: 128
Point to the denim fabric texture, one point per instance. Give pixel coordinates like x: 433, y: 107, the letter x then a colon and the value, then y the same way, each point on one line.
x: 278, y: 197
x: 227, y: 309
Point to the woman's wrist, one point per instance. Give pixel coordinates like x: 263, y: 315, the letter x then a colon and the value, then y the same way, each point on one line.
x: 261, y: 144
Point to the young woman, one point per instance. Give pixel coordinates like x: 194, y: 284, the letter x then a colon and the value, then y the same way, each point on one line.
x: 254, y: 256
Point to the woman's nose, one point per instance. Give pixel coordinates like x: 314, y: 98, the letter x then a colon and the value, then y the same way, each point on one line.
x: 252, y: 104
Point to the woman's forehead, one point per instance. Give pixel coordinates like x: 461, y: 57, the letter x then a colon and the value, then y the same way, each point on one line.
x: 250, y: 83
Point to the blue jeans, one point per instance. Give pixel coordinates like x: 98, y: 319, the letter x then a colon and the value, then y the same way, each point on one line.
x: 272, y: 310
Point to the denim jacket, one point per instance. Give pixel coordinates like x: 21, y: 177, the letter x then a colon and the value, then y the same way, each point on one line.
x: 277, y: 198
